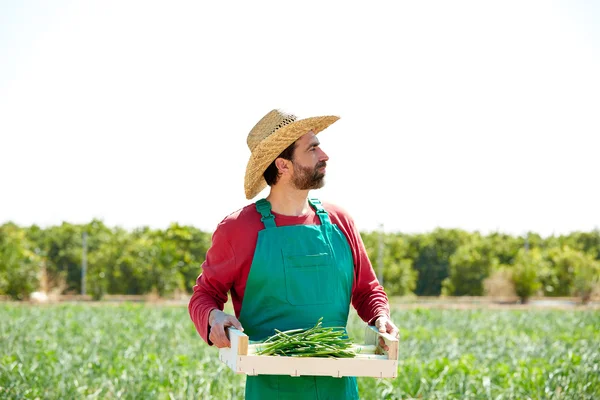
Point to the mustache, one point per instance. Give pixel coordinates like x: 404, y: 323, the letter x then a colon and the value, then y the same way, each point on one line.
x: 321, y: 165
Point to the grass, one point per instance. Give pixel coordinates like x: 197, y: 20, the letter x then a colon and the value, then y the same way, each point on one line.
x: 79, y: 351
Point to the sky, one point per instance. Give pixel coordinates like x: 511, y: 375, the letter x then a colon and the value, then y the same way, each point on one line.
x: 483, y: 116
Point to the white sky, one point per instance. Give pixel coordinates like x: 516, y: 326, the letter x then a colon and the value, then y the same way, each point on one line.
x: 475, y: 115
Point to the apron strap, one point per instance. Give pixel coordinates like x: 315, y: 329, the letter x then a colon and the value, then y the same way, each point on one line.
x: 323, y: 216
x: 264, y: 208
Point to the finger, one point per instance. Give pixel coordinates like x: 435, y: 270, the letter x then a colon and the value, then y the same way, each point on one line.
x: 383, y: 345
x: 233, y: 321
x: 381, y: 324
x: 225, y: 339
x: 216, y: 341
x: 221, y: 339
x: 392, y: 329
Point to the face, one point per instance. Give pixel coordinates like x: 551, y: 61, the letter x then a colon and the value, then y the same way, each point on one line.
x: 309, y: 163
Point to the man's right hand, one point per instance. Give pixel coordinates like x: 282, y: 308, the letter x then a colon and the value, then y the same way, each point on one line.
x: 218, y: 321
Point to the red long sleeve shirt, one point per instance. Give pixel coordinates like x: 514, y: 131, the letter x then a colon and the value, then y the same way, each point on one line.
x: 229, y: 259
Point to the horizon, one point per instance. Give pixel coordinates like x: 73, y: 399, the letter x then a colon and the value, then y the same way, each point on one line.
x: 384, y: 231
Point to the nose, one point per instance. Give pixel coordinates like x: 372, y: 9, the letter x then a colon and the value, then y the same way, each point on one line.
x: 323, y: 156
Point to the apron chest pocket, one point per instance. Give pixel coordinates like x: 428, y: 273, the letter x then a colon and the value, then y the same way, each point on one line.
x: 309, y: 279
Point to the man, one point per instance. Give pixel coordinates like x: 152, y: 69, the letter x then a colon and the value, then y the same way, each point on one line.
x: 287, y: 260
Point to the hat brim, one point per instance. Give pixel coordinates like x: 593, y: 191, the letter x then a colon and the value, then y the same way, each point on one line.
x: 271, y: 147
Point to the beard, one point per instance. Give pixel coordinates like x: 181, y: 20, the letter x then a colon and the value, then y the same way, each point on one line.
x: 306, y: 178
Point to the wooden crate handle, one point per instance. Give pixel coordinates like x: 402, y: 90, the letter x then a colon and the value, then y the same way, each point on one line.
x: 372, y: 335
x: 238, y: 339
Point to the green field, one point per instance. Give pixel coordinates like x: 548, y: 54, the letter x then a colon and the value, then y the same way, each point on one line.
x: 138, y: 351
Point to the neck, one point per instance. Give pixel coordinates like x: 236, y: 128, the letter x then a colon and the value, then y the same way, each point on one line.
x: 288, y: 201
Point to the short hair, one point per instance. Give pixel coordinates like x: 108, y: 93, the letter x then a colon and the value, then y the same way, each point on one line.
x: 271, y: 174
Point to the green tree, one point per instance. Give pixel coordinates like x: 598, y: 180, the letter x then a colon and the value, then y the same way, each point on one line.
x: 151, y: 262
x: 166, y: 277
x: 586, y: 277
x: 470, y: 265
x: 503, y: 247
x: 134, y: 271
x: 19, y: 264
x: 525, y: 272
x: 105, y: 246
x: 63, y: 249
x: 192, y: 245
x: 587, y: 242
x: 433, y: 258
x: 399, y: 277
x: 557, y: 280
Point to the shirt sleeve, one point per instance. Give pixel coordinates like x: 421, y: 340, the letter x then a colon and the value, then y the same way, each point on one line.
x: 368, y: 297
x: 217, y: 277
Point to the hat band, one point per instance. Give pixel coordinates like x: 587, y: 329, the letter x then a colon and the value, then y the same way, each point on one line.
x: 288, y: 120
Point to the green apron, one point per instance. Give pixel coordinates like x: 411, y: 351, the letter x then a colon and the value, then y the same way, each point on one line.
x: 299, y: 274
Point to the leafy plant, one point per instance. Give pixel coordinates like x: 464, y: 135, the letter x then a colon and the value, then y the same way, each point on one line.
x: 525, y: 273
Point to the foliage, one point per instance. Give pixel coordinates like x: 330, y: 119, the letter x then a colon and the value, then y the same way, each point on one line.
x: 503, y: 247
x: 433, y: 260
x: 118, y: 262
x: 144, y: 352
x: 399, y: 277
x: 168, y: 261
x: 470, y: 265
x: 558, y: 280
x: 62, y: 247
x: 19, y: 265
x: 586, y: 242
x: 525, y: 273
x: 493, y: 354
x: 587, y: 278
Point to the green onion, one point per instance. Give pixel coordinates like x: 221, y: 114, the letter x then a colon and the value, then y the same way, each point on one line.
x: 313, y: 342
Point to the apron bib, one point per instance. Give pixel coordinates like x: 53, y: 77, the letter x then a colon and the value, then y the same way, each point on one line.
x: 299, y: 274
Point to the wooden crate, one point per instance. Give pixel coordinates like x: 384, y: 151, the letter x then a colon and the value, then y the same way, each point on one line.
x: 371, y: 361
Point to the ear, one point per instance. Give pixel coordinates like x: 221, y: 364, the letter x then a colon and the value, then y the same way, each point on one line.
x: 283, y: 165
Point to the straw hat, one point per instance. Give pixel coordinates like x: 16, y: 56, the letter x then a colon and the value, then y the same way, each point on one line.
x: 269, y: 137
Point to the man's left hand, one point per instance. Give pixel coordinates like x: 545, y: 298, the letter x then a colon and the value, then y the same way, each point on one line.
x: 385, y: 325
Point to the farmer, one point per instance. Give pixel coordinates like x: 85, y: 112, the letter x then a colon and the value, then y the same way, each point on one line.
x: 287, y: 260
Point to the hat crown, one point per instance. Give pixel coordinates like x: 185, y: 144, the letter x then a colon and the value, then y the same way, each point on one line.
x: 270, y: 123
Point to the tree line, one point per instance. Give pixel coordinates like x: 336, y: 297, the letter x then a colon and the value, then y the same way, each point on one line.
x: 165, y: 262
x: 458, y: 263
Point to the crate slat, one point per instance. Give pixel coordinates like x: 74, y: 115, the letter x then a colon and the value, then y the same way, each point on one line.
x: 371, y: 361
